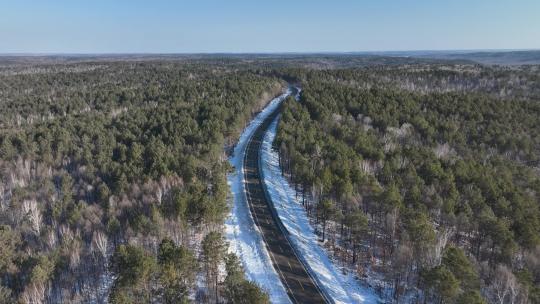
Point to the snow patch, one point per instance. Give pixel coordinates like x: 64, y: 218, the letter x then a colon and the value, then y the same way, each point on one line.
x: 243, y: 236
x: 342, y: 288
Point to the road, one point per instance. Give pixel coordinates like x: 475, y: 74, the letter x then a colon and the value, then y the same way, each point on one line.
x: 300, y: 287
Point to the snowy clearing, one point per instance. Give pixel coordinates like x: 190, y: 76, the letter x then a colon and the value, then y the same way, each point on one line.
x: 240, y: 230
x: 343, y: 288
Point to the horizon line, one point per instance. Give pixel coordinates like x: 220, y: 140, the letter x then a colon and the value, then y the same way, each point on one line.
x: 37, y: 54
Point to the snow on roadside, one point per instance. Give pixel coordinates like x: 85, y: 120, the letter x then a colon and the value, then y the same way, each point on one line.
x: 343, y: 288
x: 240, y: 231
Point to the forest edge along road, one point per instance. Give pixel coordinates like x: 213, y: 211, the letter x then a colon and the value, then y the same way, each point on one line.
x: 298, y: 282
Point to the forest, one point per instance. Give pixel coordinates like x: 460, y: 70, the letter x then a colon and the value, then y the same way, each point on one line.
x: 421, y: 177
x: 424, y: 180
x: 113, y: 179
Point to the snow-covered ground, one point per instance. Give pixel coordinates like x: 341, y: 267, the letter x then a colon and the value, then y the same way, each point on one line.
x: 342, y: 288
x: 240, y: 230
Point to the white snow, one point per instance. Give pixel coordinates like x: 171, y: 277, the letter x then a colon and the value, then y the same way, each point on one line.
x: 342, y: 288
x: 243, y: 236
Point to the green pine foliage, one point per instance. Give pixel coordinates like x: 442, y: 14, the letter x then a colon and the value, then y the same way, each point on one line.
x: 442, y: 161
x: 101, y: 161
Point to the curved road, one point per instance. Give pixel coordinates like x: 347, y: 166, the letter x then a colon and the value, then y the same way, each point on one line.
x: 300, y: 286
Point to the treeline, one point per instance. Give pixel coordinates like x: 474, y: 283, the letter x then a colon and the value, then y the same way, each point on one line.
x: 113, y: 178
x: 432, y: 194
x: 170, y: 276
x: 438, y: 77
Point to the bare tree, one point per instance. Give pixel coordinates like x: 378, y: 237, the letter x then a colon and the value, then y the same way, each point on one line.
x: 75, y: 249
x: 51, y: 239
x: 3, y: 198
x: 34, y: 294
x: 33, y: 214
x: 504, y: 287
x: 100, y: 243
x: 443, y: 235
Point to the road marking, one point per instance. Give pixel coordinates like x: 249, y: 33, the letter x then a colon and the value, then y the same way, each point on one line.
x: 256, y: 220
x: 253, y: 202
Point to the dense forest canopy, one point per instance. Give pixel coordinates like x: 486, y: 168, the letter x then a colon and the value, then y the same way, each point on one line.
x: 113, y: 164
x: 422, y: 174
x: 430, y: 174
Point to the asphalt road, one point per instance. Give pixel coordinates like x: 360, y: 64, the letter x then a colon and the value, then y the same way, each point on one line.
x: 300, y: 287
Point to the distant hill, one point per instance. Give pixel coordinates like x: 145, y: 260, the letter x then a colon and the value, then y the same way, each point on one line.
x: 274, y: 60
x: 502, y: 58
x: 311, y: 60
x: 505, y: 57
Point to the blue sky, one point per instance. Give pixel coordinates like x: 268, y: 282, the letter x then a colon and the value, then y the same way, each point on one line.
x: 158, y: 26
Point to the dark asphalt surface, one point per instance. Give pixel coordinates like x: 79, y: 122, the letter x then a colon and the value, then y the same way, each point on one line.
x: 298, y: 283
